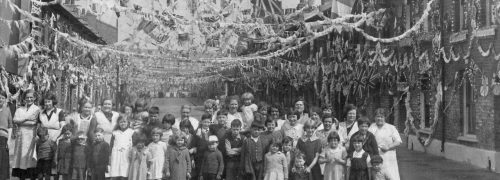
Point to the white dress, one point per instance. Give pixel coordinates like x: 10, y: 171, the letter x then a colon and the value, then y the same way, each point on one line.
x: 385, y: 136
x: 52, y: 123
x: 158, y: 151
x: 247, y: 113
x: 119, y: 153
x: 24, y: 143
x: 276, y: 166
x: 106, y: 125
x: 333, y: 170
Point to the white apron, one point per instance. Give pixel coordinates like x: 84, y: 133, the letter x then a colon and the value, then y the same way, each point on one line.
x: 387, y: 135
x: 52, y: 123
x: 106, y: 125
x: 24, y: 144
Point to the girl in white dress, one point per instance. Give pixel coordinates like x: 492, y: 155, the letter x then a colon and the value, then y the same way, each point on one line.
x: 121, y: 142
x: 334, y: 156
x: 106, y: 119
x: 158, y: 149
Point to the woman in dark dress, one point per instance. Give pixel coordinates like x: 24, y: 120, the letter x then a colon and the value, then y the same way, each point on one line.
x: 369, y: 142
x: 310, y: 145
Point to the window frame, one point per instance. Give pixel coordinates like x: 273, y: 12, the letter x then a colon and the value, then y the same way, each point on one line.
x: 468, y: 109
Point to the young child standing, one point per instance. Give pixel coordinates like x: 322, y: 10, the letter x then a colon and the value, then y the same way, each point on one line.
x: 167, y: 121
x: 233, y: 144
x: 45, y: 150
x: 298, y: 171
x: 288, y: 151
x: 270, y: 134
x: 310, y: 145
x: 358, y: 163
x: 178, y: 161
x: 248, y: 108
x: 378, y: 172
x: 140, y: 160
x: 63, y: 155
x: 80, y: 154
x: 333, y: 156
x: 99, y: 161
x: 275, y: 165
x: 220, y: 130
x: 121, y: 143
x: 252, y: 155
x: 212, y: 165
x: 158, y: 149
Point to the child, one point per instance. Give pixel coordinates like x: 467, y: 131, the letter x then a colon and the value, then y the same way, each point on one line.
x: 358, y: 163
x: 310, y: 145
x: 288, y: 151
x: 334, y: 157
x: 212, y: 165
x: 292, y: 128
x: 152, y: 122
x: 178, y: 161
x: 167, y: 121
x: 140, y: 160
x: 233, y: 144
x: 191, y: 141
x: 121, y: 142
x: 248, y: 107
x: 252, y: 154
x: 202, y: 134
x: 80, y: 152
x: 140, y: 111
x: 270, y: 134
x: 220, y: 129
x: 299, y: 171
x: 275, y: 165
x: 63, y: 155
x: 378, y: 172
x: 45, y: 150
x: 100, y: 156
x: 158, y: 149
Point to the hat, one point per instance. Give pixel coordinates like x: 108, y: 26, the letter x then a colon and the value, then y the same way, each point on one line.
x: 257, y: 124
x: 213, y: 138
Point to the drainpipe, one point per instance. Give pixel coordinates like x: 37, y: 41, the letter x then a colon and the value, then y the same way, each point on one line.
x: 443, y: 78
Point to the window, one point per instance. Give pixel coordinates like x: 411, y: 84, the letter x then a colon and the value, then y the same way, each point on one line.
x: 468, y: 115
x: 484, y: 18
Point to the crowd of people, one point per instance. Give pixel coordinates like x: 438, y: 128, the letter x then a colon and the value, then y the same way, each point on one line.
x: 235, y: 139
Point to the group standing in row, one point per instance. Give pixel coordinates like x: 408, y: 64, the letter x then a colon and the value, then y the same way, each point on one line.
x: 229, y: 142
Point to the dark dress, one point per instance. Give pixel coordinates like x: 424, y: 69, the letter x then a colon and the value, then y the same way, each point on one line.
x: 64, y: 157
x: 359, y: 168
x: 369, y: 145
x: 310, y: 148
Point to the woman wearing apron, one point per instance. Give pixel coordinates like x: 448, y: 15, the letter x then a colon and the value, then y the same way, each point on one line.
x: 81, y: 120
x: 106, y: 119
x: 25, y: 118
x: 51, y: 117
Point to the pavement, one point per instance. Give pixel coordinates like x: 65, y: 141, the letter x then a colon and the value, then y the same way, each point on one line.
x: 415, y: 165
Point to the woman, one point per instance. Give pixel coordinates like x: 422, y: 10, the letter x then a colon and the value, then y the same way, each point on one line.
x: 105, y: 119
x: 51, y: 117
x: 300, y: 106
x: 370, y: 145
x: 388, y: 140
x: 25, y: 118
x: 82, y: 119
x: 322, y: 134
x: 315, y: 118
x: 274, y: 114
x: 349, y: 126
x: 5, y: 125
x: 233, y: 113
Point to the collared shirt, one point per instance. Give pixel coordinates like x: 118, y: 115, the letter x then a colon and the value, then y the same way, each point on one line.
x: 255, y: 139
